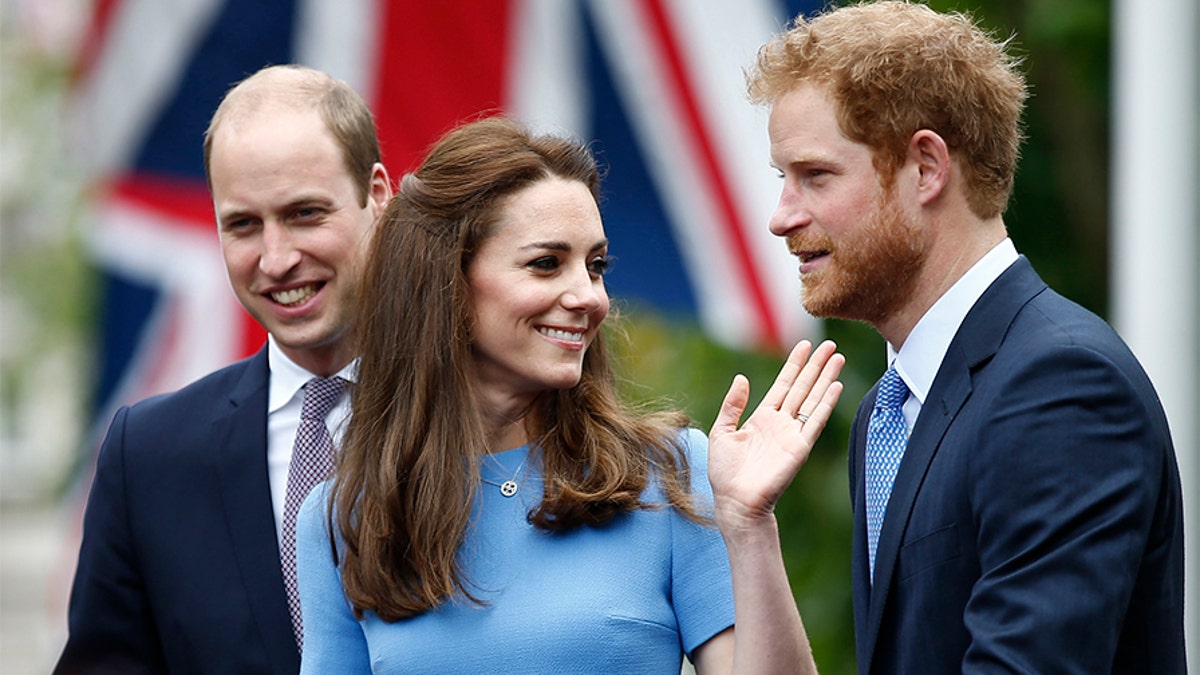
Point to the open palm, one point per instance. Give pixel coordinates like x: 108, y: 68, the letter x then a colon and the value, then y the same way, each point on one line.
x: 750, y: 466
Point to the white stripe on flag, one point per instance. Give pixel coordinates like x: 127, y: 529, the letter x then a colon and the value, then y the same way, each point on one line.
x: 149, y: 42
x: 546, y: 83
x: 724, y: 301
x: 342, y: 39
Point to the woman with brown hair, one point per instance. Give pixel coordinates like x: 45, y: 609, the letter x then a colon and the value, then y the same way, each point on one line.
x: 496, y: 506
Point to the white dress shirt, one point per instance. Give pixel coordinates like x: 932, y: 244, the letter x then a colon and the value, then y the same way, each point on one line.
x: 919, y: 359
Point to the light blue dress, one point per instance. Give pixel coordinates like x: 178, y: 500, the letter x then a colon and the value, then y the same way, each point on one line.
x: 630, y: 597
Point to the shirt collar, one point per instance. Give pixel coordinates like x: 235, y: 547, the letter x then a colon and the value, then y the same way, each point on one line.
x: 921, y: 356
x: 288, y: 378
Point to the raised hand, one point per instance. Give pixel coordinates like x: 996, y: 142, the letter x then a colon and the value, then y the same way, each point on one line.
x: 750, y: 467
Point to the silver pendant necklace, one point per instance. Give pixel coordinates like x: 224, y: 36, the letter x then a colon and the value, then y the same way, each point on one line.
x: 509, y: 487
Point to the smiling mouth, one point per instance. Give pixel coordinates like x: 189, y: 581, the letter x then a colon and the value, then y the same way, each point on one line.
x: 295, y: 296
x: 809, y: 256
x: 558, y: 334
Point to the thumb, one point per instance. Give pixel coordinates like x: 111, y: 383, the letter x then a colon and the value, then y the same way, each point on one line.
x: 730, y: 414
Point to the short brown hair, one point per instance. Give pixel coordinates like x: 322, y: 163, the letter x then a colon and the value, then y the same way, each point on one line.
x: 344, y: 112
x: 894, y: 68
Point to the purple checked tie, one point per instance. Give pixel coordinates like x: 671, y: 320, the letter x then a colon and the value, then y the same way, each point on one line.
x: 886, y: 438
x: 312, y: 462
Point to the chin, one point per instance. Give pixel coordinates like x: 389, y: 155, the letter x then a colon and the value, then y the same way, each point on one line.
x: 560, y: 383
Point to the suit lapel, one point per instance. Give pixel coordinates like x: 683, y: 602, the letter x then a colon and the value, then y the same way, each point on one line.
x: 973, y: 346
x: 860, y: 580
x: 245, y: 488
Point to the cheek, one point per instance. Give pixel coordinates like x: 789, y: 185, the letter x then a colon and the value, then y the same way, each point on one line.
x: 601, y: 312
x: 846, y: 216
x: 241, y: 259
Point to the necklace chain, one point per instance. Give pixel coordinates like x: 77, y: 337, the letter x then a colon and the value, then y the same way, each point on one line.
x: 509, y: 487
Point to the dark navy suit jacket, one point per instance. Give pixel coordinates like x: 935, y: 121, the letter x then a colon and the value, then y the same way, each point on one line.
x: 179, y: 564
x: 1036, y: 523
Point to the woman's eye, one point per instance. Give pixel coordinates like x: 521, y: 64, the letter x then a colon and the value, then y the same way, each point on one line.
x: 544, y: 264
x: 601, y: 265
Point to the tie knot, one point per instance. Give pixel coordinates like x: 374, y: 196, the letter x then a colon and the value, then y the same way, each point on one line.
x: 320, y: 393
x: 892, y: 390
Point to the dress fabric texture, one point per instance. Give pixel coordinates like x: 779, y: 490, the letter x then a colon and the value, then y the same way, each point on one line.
x: 631, y: 596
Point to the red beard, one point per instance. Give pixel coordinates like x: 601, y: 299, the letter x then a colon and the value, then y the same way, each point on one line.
x: 871, y: 272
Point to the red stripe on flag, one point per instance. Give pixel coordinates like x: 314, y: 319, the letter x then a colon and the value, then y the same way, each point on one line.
x: 184, y: 201
x: 253, y: 335
x: 442, y: 62
x: 698, y: 130
x: 94, y: 38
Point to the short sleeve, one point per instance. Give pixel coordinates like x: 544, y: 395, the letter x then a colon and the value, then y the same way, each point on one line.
x: 702, y: 584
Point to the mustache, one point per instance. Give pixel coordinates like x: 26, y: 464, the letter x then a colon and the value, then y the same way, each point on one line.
x: 797, y: 244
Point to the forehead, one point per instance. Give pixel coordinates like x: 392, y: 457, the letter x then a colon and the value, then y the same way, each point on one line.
x: 805, y: 117
x: 269, y: 126
x: 552, y: 209
x: 274, y: 150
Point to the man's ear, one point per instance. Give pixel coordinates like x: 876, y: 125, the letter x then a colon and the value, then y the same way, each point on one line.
x: 928, y: 152
x: 380, y: 188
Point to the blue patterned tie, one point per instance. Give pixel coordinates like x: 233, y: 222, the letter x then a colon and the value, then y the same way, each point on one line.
x: 886, y: 438
x: 312, y: 461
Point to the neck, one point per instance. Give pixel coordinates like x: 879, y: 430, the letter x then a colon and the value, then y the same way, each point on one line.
x: 504, y: 421
x: 512, y: 435
x: 320, y: 361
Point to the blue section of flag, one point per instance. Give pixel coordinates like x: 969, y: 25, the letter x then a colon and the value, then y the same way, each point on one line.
x: 648, y: 265
x: 245, y: 36
x: 127, y: 307
x: 794, y: 7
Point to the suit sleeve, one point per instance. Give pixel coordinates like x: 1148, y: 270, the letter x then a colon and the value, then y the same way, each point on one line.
x: 110, y: 622
x: 333, y: 639
x: 1064, y: 485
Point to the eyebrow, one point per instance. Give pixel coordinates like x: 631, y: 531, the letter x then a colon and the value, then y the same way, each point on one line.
x: 561, y: 245
x: 809, y: 158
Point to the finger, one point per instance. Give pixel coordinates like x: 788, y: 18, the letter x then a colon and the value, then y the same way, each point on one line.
x: 732, y: 407
x: 775, y: 396
x: 820, y: 389
x: 821, y: 413
x: 816, y: 375
x: 830, y: 371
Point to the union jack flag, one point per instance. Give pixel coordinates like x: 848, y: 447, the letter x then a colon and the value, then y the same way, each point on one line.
x: 658, y: 85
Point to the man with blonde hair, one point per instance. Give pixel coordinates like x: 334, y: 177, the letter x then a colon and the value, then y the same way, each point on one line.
x: 1014, y: 486
x: 187, y: 558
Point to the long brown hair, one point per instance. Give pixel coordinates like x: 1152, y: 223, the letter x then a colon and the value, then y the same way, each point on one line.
x: 408, y: 468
